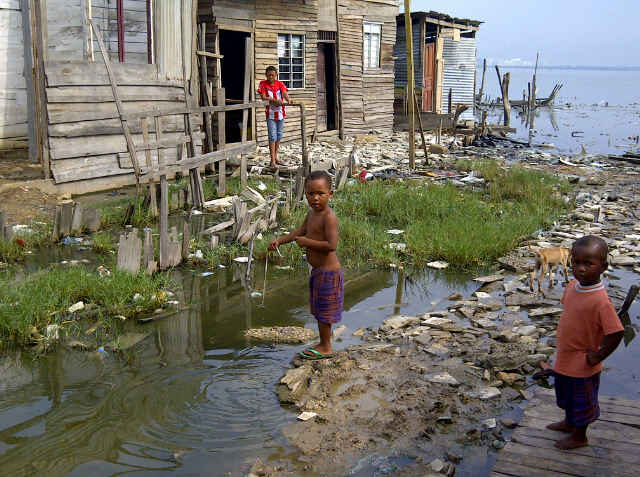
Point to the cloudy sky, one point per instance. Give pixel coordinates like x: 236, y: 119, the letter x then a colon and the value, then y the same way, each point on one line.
x: 565, y: 32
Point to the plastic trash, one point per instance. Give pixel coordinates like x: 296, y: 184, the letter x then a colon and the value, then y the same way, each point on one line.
x: 305, y: 416
x: 76, y: 307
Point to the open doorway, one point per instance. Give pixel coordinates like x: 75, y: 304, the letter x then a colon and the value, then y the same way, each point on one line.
x: 232, y: 47
x: 326, y: 88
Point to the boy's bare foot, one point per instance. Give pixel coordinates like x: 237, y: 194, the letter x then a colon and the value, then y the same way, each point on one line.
x: 561, y: 426
x: 571, y: 442
x: 322, y: 349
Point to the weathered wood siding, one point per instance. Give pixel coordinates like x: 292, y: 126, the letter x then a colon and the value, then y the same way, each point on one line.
x: 86, y: 140
x: 13, y: 96
x: 367, y: 94
x: 65, y: 30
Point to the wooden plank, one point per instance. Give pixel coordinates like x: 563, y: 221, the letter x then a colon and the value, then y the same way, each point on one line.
x: 101, y: 94
x: 546, y: 410
x: 149, y: 265
x: 76, y: 221
x: 129, y: 252
x: 130, y: 146
x: 222, y: 173
x: 186, y: 237
x: 518, y: 465
x: 248, y: 68
x: 164, y: 223
x: 604, y: 430
x: 209, y: 55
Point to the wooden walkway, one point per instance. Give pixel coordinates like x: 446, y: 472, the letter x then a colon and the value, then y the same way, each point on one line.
x: 614, y: 439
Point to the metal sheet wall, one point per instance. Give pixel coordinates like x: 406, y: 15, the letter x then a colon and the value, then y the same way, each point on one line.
x: 459, y: 73
x: 400, y: 52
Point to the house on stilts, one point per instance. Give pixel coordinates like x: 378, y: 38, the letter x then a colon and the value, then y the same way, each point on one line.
x: 179, y: 89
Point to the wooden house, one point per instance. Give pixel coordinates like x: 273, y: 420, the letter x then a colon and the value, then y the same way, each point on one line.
x: 444, y: 52
x: 335, y: 56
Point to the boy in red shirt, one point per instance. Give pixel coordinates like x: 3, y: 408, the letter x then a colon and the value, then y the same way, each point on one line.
x: 588, y: 332
x: 275, y: 92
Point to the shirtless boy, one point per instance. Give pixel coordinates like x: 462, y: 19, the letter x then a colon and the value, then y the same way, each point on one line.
x: 588, y: 332
x: 318, y: 234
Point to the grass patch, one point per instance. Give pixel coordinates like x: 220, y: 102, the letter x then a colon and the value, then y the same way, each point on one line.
x: 466, y: 228
x: 103, y: 242
x: 114, y: 213
x: 210, y: 186
x: 24, y: 240
x: 44, y: 298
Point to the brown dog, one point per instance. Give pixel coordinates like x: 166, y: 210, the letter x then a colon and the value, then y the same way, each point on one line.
x: 547, y: 258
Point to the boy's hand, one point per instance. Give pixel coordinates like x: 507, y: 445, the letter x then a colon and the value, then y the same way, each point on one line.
x: 301, y: 241
x: 274, y: 245
x: 593, y: 358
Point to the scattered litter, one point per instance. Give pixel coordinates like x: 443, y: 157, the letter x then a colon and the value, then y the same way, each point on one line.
x: 286, y: 267
x: 101, y: 349
x: 395, y: 232
x: 480, y: 294
x: 305, y: 416
x: 137, y: 297
x: 438, y: 265
x: 196, y: 212
x: 241, y: 259
x: 256, y: 294
x: 206, y: 274
x: 52, y: 333
x: 71, y: 240
x: 221, y: 266
x: 196, y: 256
x: 490, y: 423
x: 398, y: 246
x: 76, y: 307
x: 173, y: 302
x: 262, y: 186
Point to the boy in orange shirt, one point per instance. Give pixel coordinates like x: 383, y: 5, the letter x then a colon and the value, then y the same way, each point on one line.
x: 588, y: 332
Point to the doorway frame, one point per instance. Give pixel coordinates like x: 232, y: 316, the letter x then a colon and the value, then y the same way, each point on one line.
x: 336, y: 85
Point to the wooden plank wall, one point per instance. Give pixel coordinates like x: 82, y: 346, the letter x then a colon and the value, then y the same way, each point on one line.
x: 135, y: 29
x: 85, y: 135
x: 367, y: 94
x: 65, y: 30
x: 13, y: 96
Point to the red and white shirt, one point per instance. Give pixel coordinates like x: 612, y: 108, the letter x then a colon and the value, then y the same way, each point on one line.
x: 274, y: 90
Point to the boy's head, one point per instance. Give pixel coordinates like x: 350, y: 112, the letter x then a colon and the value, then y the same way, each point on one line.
x: 271, y: 73
x: 317, y: 188
x: 589, y: 259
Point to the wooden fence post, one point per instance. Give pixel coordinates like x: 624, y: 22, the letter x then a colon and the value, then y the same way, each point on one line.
x: 222, y: 140
x: 129, y: 252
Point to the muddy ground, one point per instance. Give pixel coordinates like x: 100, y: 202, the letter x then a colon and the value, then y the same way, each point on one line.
x: 436, y: 393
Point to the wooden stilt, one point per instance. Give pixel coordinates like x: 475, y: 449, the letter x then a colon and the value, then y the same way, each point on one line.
x: 248, y: 68
x: 222, y: 172
x: 129, y: 252
x: 76, y: 221
x: 164, y: 223
x: 424, y: 142
x: 186, y: 237
x: 66, y: 219
x: 150, y: 266
x: 410, y: 83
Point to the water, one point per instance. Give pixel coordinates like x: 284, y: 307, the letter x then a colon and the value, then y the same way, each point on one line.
x: 597, y: 109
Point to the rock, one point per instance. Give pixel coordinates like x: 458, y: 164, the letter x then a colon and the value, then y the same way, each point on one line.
x: 491, y: 304
x: 534, y: 359
x: 437, y: 323
x: 520, y: 299
x: 400, y: 321
x: 511, y: 285
x: 453, y: 457
x: 437, y: 465
x: 438, y: 265
x: 359, y: 332
x: 485, y: 323
x: 526, y: 330
x: 437, y: 350
x: 584, y: 216
x: 516, y: 263
x: 480, y: 294
x: 485, y: 393
x: 442, y: 378
x: 282, y: 334
x: 497, y: 444
x: 507, y: 336
x: 445, y: 419
x: 455, y: 297
x: 489, y: 278
x: 294, y: 383
x: 509, y: 378
x: 337, y: 332
x: 424, y: 339
x: 508, y: 423
x: 545, y: 311
x: 526, y: 395
x: 623, y: 261
x: 438, y: 149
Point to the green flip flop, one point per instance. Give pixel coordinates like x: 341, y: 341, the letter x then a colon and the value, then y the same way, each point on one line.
x: 313, y: 354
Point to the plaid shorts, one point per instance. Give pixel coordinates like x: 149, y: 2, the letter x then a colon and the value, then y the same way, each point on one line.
x: 326, y: 295
x: 579, y: 398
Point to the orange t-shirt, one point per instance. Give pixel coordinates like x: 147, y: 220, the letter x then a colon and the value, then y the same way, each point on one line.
x: 588, y: 316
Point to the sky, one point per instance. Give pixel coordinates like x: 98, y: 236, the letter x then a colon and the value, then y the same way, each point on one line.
x: 565, y: 32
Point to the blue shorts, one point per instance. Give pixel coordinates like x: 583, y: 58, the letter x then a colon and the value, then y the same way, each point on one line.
x: 275, y: 128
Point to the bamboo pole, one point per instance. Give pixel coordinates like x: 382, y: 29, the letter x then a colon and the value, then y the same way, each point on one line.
x: 408, y: 33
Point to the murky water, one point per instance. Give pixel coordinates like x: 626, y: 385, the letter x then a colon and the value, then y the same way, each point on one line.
x: 195, y: 397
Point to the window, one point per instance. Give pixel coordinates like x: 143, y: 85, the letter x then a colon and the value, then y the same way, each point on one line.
x: 371, y: 47
x: 291, y: 60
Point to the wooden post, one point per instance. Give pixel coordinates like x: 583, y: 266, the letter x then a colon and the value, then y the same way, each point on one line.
x: 129, y: 252
x: 153, y: 202
x: 484, y: 72
x: 483, y: 128
x: 504, y: 88
x: 222, y: 140
x: 186, y: 237
x: 149, y: 265
x: 339, y: 74
x: 408, y: 33
x: 164, y: 223
x: 66, y: 218
x: 91, y: 219
x: 3, y: 221
x: 39, y: 50
x: 76, y: 221
x: 248, y: 68
x: 424, y: 142
x: 55, y: 235
x: 303, y: 131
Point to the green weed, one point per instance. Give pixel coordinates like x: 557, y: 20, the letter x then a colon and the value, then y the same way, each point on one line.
x: 44, y: 297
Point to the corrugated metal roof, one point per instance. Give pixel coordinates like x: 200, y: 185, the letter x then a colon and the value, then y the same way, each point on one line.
x: 459, y: 73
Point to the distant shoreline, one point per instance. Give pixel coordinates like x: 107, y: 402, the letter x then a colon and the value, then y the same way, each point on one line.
x: 587, y: 68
